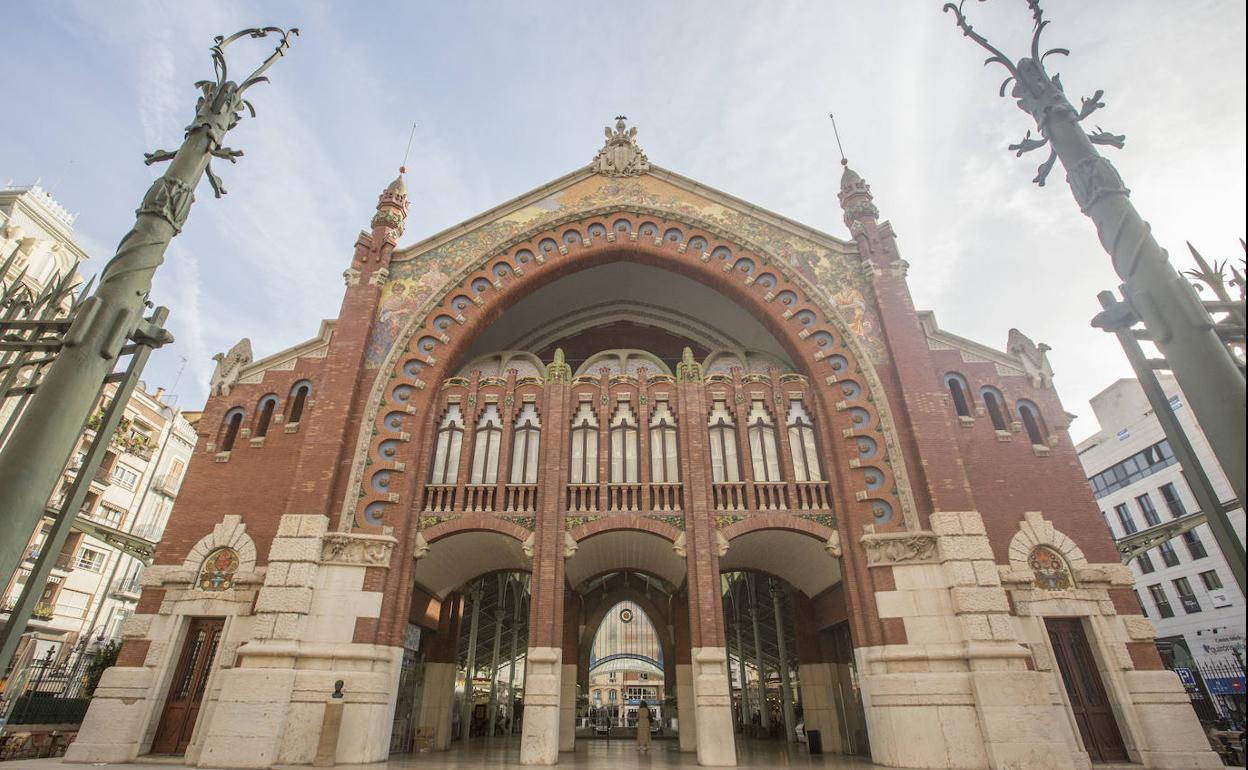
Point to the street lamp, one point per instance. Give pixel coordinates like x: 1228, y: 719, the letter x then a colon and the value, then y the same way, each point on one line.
x: 110, y: 324
x: 1193, y: 344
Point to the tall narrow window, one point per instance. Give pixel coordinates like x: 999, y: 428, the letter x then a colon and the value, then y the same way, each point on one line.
x: 450, y: 442
x: 802, y: 443
x: 525, y: 443
x: 1191, y: 605
x: 264, y: 416
x: 1170, y: 493
x: 1139, y: 601
x: 762, y: 434
x: 298, y: 402
x: 664, y: 460
x: 1146, y: 563
x: 584, y: 468
x: 1162, y: 601
x: 960, y: 393
x: 723, y: 429
x: 1148, y: 509
x: 1194, y: 546
x: 485, y: 446
x: 229, y: 429
x: 994, y: 404
x: 1168, y: 555
x: 1126, y: 519
x: 1030, y: 416
x: 623, y: 429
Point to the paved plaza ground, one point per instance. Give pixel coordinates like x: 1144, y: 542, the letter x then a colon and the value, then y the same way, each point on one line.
x: 598, y: 754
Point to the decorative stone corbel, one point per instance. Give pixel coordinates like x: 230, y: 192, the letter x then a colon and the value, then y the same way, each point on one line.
x: 721, y: 543
x: 528, y: 544
x: 420, y: 547
x: 679, y: 546
x: 351, y: 276
x: 569, y: 545
x: 833, y: 545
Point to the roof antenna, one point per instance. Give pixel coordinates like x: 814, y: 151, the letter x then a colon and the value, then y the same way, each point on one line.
x: 408, y: 151
x: 837, y: 134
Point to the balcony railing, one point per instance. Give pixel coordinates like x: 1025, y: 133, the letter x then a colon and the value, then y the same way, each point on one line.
x: 439, y: 498
x: 729, y: 496
x: 64, y: 561
x: 582, y: 497
x: 479, y: 497
x: 520, y: 498
x: 666, y: 497
x: 770, y: 496
x: 167, y: 484
x: 127, y: 587
x: 812, y: 496
x: 624, y: 497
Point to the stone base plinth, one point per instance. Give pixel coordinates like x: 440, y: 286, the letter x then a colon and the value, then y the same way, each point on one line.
x: 567, y: 709
x: 437, y: 704
x: 687, y: 727
x: 819, y: 708
x: 713, y: 707
x: 539, y: 742
x: 112, y: 731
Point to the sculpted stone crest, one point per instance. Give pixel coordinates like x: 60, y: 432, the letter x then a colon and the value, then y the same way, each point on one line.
x: 229, y: 366
x: 1033, y: 357
x: 365, y: 550
x: 903, y: 547
x: 621, y: 156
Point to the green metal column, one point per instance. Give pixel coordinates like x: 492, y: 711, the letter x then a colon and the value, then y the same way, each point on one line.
x: 1175, y: 318
x: 49, y: 430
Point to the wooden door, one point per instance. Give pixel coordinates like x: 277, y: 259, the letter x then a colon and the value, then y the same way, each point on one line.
x: 1093, y: 712
x: 186, y: 691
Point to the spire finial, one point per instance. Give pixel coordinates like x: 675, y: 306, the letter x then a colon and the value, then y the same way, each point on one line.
x: 408, y: 151
x: 837, y: 134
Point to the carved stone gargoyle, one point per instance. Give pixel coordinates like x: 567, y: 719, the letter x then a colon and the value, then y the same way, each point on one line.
x: 1034, y: 358
x: 229, y: 367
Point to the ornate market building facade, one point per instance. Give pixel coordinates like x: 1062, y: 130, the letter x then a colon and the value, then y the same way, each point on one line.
x: 626, y: 386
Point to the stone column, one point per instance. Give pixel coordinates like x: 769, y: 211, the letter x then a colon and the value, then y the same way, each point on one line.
x: 567, y: 686
x: 685, y: 712
x: 437, y: 694
x: 539, y: 744
x: 817, y: 679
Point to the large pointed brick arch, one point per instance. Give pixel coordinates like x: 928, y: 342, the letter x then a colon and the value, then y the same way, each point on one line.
x: 864, y: 464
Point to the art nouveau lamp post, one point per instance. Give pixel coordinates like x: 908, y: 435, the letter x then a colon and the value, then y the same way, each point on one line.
x: 108, y: 320
x: 1193, y: 343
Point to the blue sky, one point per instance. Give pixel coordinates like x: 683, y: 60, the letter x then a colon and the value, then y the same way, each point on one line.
x: 735, y: 94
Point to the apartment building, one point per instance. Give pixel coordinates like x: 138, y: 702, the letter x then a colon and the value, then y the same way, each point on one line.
x: 1185, y: 585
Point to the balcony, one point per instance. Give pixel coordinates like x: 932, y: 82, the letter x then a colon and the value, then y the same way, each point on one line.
x: 582, y: 498
x: 666, y: 497
x: 520, y: 498
x: 729, y: 496
x: 812, y: 496
x: 624, y: 497
x: 167, y: 484
x: 771, y: 496
x: 41, y: 611
x: 126, y: 588
x: 64, y: 561
x: 479, y: 497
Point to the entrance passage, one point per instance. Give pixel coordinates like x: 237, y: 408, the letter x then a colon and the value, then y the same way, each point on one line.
x: 186, y: 691
x: 625, y: 675
x: 489, y: 686
x: 1091, y: 708
x: 762, y: 656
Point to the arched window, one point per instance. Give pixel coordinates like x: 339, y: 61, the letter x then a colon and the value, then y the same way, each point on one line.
x: 450, y: 443
x: 994, y: 404
x: 264, y: 415
x: 485, y: 446
x: 1030, y: 416
x: 664, y: 459
x: 959, y: 391
x: 761, y: 431
x: 298, y: 401
x: 723, y: 429
x: 584, y: 468
x: 623, y: 428
x: 802, y: 443
x: 526, y: 442
x: 230, y: 426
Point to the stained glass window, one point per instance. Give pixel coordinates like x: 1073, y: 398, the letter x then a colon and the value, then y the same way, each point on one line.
x: 1052, y: 574
x: 217, y: 572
